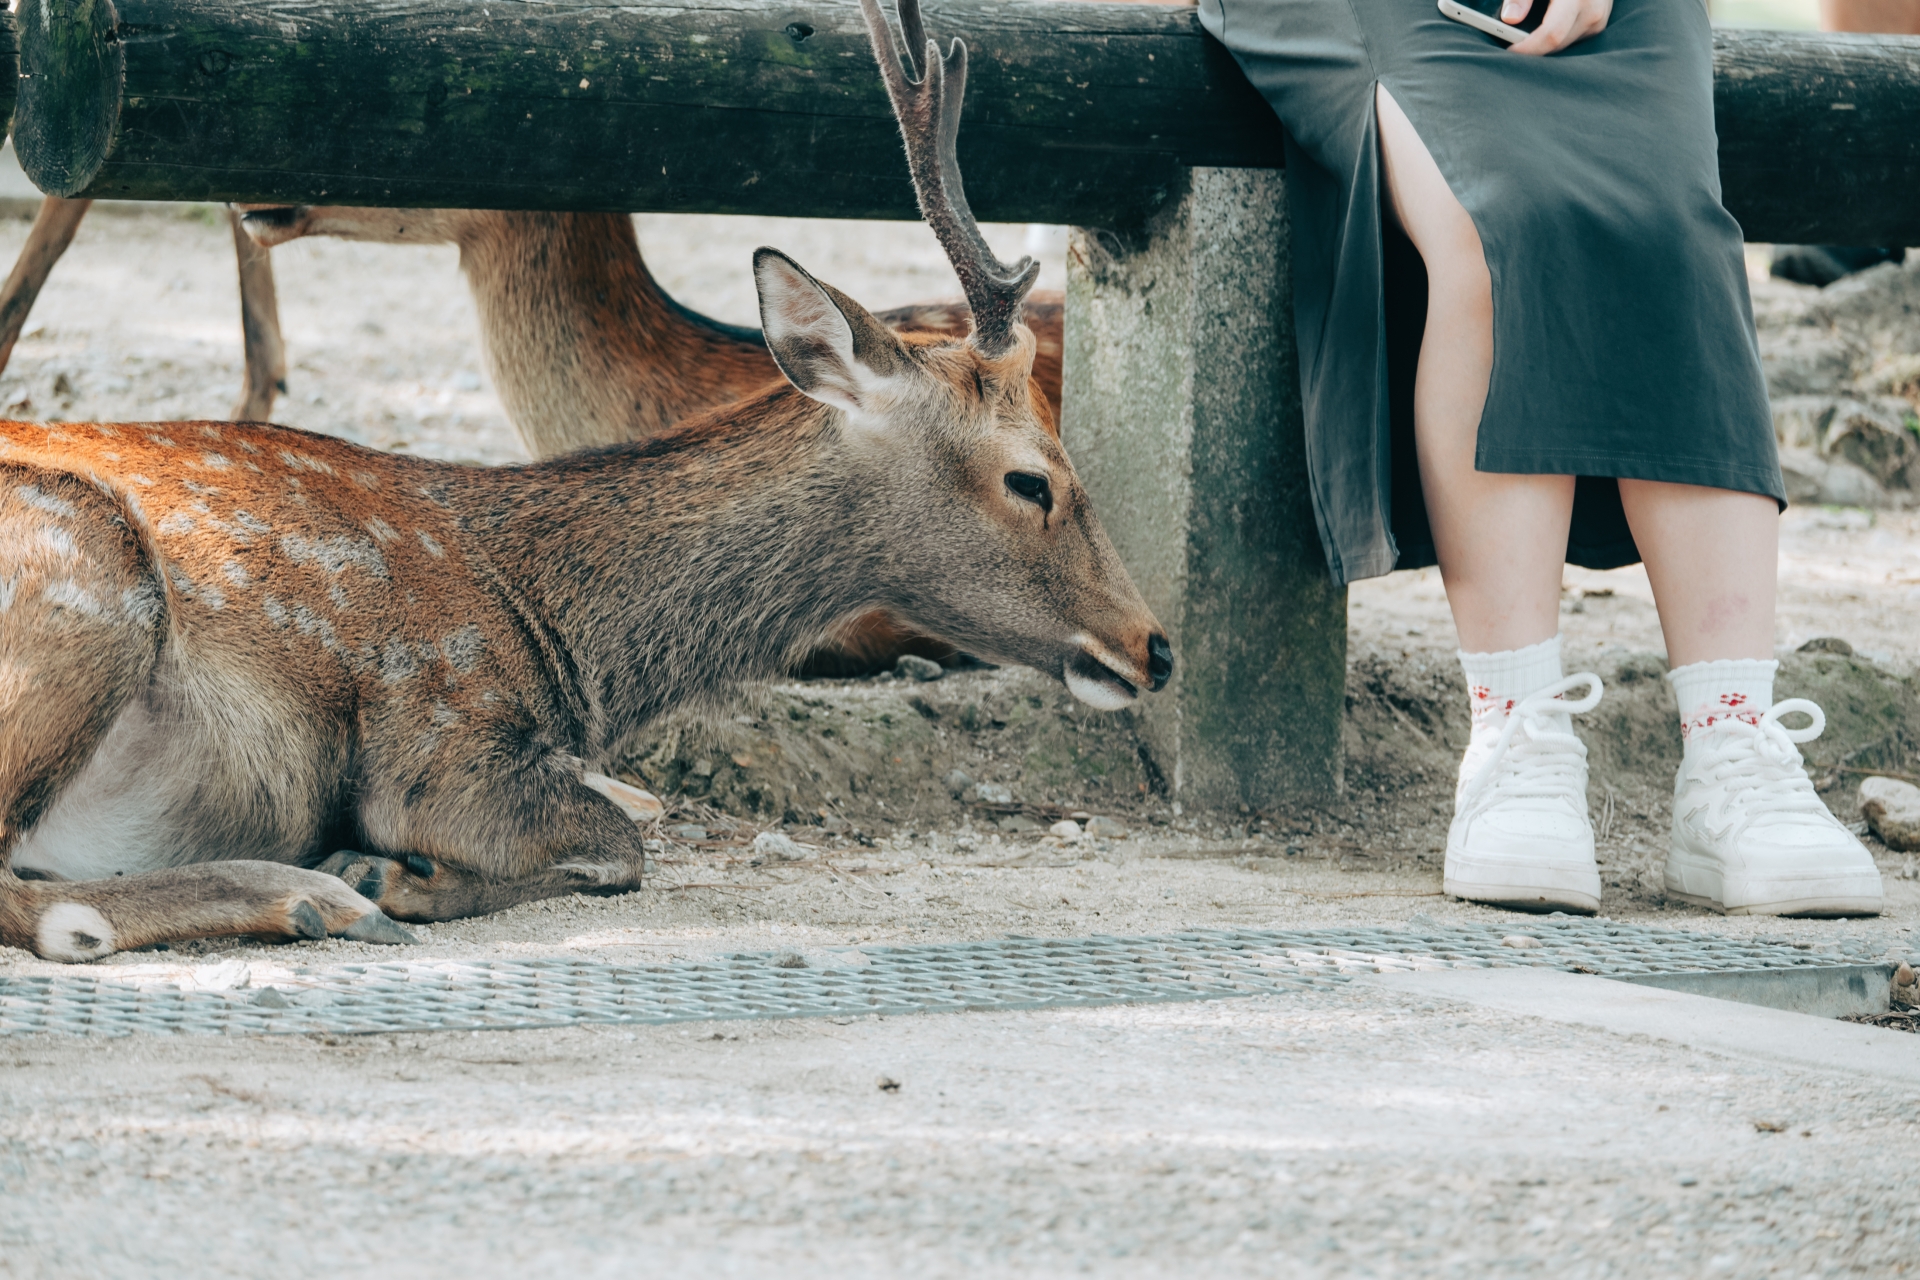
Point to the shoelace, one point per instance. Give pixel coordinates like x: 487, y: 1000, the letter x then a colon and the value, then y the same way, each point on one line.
x: 1547, y: 762
x: 1766, y: 758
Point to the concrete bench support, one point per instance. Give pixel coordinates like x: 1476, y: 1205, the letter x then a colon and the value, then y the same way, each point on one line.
x: 1182, y: 414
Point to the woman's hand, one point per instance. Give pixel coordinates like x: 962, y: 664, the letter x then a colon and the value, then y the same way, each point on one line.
x: 1567, y: 22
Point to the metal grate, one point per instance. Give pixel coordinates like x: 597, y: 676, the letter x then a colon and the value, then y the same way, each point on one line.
x: 1013, y: 973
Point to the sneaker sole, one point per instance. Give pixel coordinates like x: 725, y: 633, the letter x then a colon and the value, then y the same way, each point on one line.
x: 1816, y: 907
x: 1524, y: 898
x: 1840, y: 895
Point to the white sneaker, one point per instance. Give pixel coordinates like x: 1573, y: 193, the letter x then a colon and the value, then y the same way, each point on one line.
x: 1751, y: 837
x: 1521, y: 837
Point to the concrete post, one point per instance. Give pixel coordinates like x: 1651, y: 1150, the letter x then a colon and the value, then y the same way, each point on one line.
x: 1183, y: 417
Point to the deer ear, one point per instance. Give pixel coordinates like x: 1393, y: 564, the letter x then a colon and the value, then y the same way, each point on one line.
x: 828, y: 345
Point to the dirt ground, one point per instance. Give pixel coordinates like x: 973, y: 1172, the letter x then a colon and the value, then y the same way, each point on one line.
x: 1340, y: 1133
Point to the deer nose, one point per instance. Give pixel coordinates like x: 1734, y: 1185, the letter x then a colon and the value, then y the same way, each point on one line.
x: 1159, y: 660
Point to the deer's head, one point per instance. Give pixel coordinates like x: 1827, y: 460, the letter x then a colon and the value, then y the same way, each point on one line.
x: 950, y: 450
x: 951, y: 443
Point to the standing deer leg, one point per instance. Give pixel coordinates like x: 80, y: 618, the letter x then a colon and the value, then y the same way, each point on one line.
x: 266, y: 374
x: 53, y: 229
x: 529, y: 835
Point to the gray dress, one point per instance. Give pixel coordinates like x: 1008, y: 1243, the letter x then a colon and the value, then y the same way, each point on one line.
x: 1623, y: 342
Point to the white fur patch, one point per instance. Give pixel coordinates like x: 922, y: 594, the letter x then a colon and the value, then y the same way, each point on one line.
x: 113, y: 818
x: 1095, y: 693
x: 71, y: 933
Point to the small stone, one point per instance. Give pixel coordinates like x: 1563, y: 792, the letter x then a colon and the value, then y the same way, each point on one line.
x: 1903, y: 976
x: 687, y: 831
x: 958, y: 783
x: 701, y: 769
x: 915, y: 667
x: 1688, y: 1180
x: 789, y: 960
x: 1103, y: 828
x: 1892, y: 810
x: 772, y: 844
x: 1768, y: 1126
x: 1015, y: 824
x: 887, y: 1084
x: 834, y: 823
x: 1827, y: 644
x: 992, y: 793
x: 1066, y: 829
x: 270, y: 998
x: 1521, y: 942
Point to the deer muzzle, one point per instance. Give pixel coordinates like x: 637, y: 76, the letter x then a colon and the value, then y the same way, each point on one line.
x: 1107, y: 678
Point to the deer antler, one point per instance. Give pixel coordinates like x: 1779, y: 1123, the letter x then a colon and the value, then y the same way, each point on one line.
x: 927, y: 93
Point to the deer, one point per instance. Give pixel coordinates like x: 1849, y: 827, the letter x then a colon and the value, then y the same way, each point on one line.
x: 585, y: 348
x: 581, y: 342
x: 256, y: 681
x: 54, y: 226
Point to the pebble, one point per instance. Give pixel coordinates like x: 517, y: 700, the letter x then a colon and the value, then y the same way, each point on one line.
x: 687, y: 832
x: 1102, y: 828
x: 270, y: 998
x: 1892, y: 810
x: 958, y: 783
x: 1066, y: 829
x: 772, y: 844
x: 912, y: 666
x: 789, y: 960
x: 1521, y: 942
x: 993, y: 793
x: 1827, y: 644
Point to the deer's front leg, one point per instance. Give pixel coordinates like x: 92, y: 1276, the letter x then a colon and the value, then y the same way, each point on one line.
x: 521, y: 841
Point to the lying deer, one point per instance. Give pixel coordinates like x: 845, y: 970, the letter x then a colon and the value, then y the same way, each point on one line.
x: 228, y: 651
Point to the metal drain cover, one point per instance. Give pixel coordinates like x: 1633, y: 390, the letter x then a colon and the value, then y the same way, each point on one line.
x: 1013, y: 973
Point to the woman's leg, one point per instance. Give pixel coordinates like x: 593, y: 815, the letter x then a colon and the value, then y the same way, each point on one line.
x: 1750, y: 834
x: 1712, y: 556
x: 1520, y: 836
x: 1501, y: 539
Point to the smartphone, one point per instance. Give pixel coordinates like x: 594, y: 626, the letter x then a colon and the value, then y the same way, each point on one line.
x: 1484, y: 15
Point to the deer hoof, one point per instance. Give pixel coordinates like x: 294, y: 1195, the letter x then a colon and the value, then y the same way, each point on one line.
x: 304, y: 921
x: 422, y: 867
x: 375, y: 927
x: 368, y: 873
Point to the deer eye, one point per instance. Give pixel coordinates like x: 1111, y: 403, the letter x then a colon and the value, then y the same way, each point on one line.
x: 1031, y: 487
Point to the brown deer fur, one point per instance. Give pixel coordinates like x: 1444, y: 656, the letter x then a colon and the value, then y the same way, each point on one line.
x: 585, y: 348
x: 249, y: 646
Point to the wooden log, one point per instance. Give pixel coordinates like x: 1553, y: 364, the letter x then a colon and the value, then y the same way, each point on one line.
x: 1077, y: 112
x: 1820, y: 136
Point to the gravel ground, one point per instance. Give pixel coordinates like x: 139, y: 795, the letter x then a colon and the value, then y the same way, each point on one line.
x: 1347, y: 1132
x: 1329, y: 1133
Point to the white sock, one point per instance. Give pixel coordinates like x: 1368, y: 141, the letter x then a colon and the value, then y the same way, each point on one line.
x: 1496, y: 681
x: 1727, y: 688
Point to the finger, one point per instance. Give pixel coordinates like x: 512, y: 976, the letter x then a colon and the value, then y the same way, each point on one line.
x: 1556, y: 30
x: 1514, y: 11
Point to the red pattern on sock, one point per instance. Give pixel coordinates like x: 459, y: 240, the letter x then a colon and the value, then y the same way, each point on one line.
x: 1730, y: 706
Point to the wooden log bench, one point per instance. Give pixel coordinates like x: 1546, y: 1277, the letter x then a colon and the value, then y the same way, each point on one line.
x: 1124, y: 121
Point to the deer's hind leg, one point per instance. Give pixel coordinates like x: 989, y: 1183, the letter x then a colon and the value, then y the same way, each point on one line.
x: 87, y: 919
